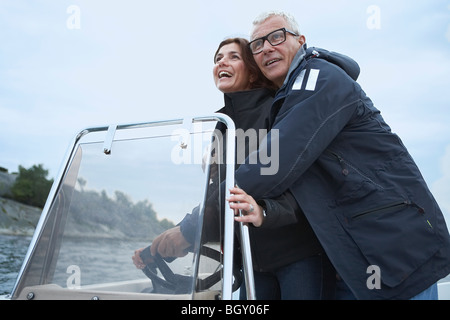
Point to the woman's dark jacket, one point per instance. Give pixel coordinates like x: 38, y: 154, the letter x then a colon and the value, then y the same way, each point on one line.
x: 285, y: 236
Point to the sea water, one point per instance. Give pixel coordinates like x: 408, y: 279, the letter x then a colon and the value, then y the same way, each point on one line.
x: 12, y: 253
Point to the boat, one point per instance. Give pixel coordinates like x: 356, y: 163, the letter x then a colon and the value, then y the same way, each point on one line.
x: 120, y: 186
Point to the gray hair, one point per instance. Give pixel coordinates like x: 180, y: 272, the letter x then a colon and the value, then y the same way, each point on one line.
x: 290, y: 20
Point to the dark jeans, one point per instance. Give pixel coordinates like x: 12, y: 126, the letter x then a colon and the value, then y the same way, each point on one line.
x: 312, y: 278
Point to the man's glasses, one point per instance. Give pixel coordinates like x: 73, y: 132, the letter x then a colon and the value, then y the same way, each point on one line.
x: 275, y: 38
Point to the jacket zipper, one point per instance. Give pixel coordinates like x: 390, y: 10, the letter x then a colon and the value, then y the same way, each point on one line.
x: 345, y: 171
x: 394, y: 205
x: 342, y: 163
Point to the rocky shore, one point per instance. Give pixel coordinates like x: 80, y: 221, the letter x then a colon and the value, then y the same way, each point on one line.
x: 15, y: 218
x: 92, y: 214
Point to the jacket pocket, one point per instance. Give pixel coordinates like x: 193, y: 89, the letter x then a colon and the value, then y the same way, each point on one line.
x: 397, y: 237
x: 351, y: 184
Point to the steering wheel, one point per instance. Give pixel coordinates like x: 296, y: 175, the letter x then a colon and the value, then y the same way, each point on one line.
x: 179, y: 284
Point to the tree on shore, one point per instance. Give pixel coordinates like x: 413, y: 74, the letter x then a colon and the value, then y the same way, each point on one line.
x: 32, y: 186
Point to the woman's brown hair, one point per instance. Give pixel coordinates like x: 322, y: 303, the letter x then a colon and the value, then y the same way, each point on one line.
x: 247, y: 56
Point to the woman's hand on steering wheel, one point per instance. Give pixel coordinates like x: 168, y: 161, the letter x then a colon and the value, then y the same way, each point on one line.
x: 170, y: 243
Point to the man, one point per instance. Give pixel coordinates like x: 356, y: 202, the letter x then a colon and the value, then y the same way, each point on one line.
x: 357, y: 184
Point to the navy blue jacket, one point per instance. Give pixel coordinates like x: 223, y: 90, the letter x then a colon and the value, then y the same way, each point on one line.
x: 357, y: 184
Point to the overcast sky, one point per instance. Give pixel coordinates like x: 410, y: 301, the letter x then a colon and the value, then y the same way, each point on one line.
x: 68, y: 65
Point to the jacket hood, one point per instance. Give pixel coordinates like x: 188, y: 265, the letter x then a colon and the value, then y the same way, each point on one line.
x: 346, y: 63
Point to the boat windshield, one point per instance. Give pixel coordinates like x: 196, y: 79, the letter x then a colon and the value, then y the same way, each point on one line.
x: 121, y: 188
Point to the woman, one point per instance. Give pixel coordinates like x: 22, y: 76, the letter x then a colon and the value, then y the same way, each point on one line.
x: 288, y: 261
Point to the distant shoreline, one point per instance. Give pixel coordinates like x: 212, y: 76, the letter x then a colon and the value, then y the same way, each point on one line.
x: 18, y: 219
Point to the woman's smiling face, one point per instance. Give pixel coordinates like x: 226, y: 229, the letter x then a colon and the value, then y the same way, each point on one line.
x: 230, y: 72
